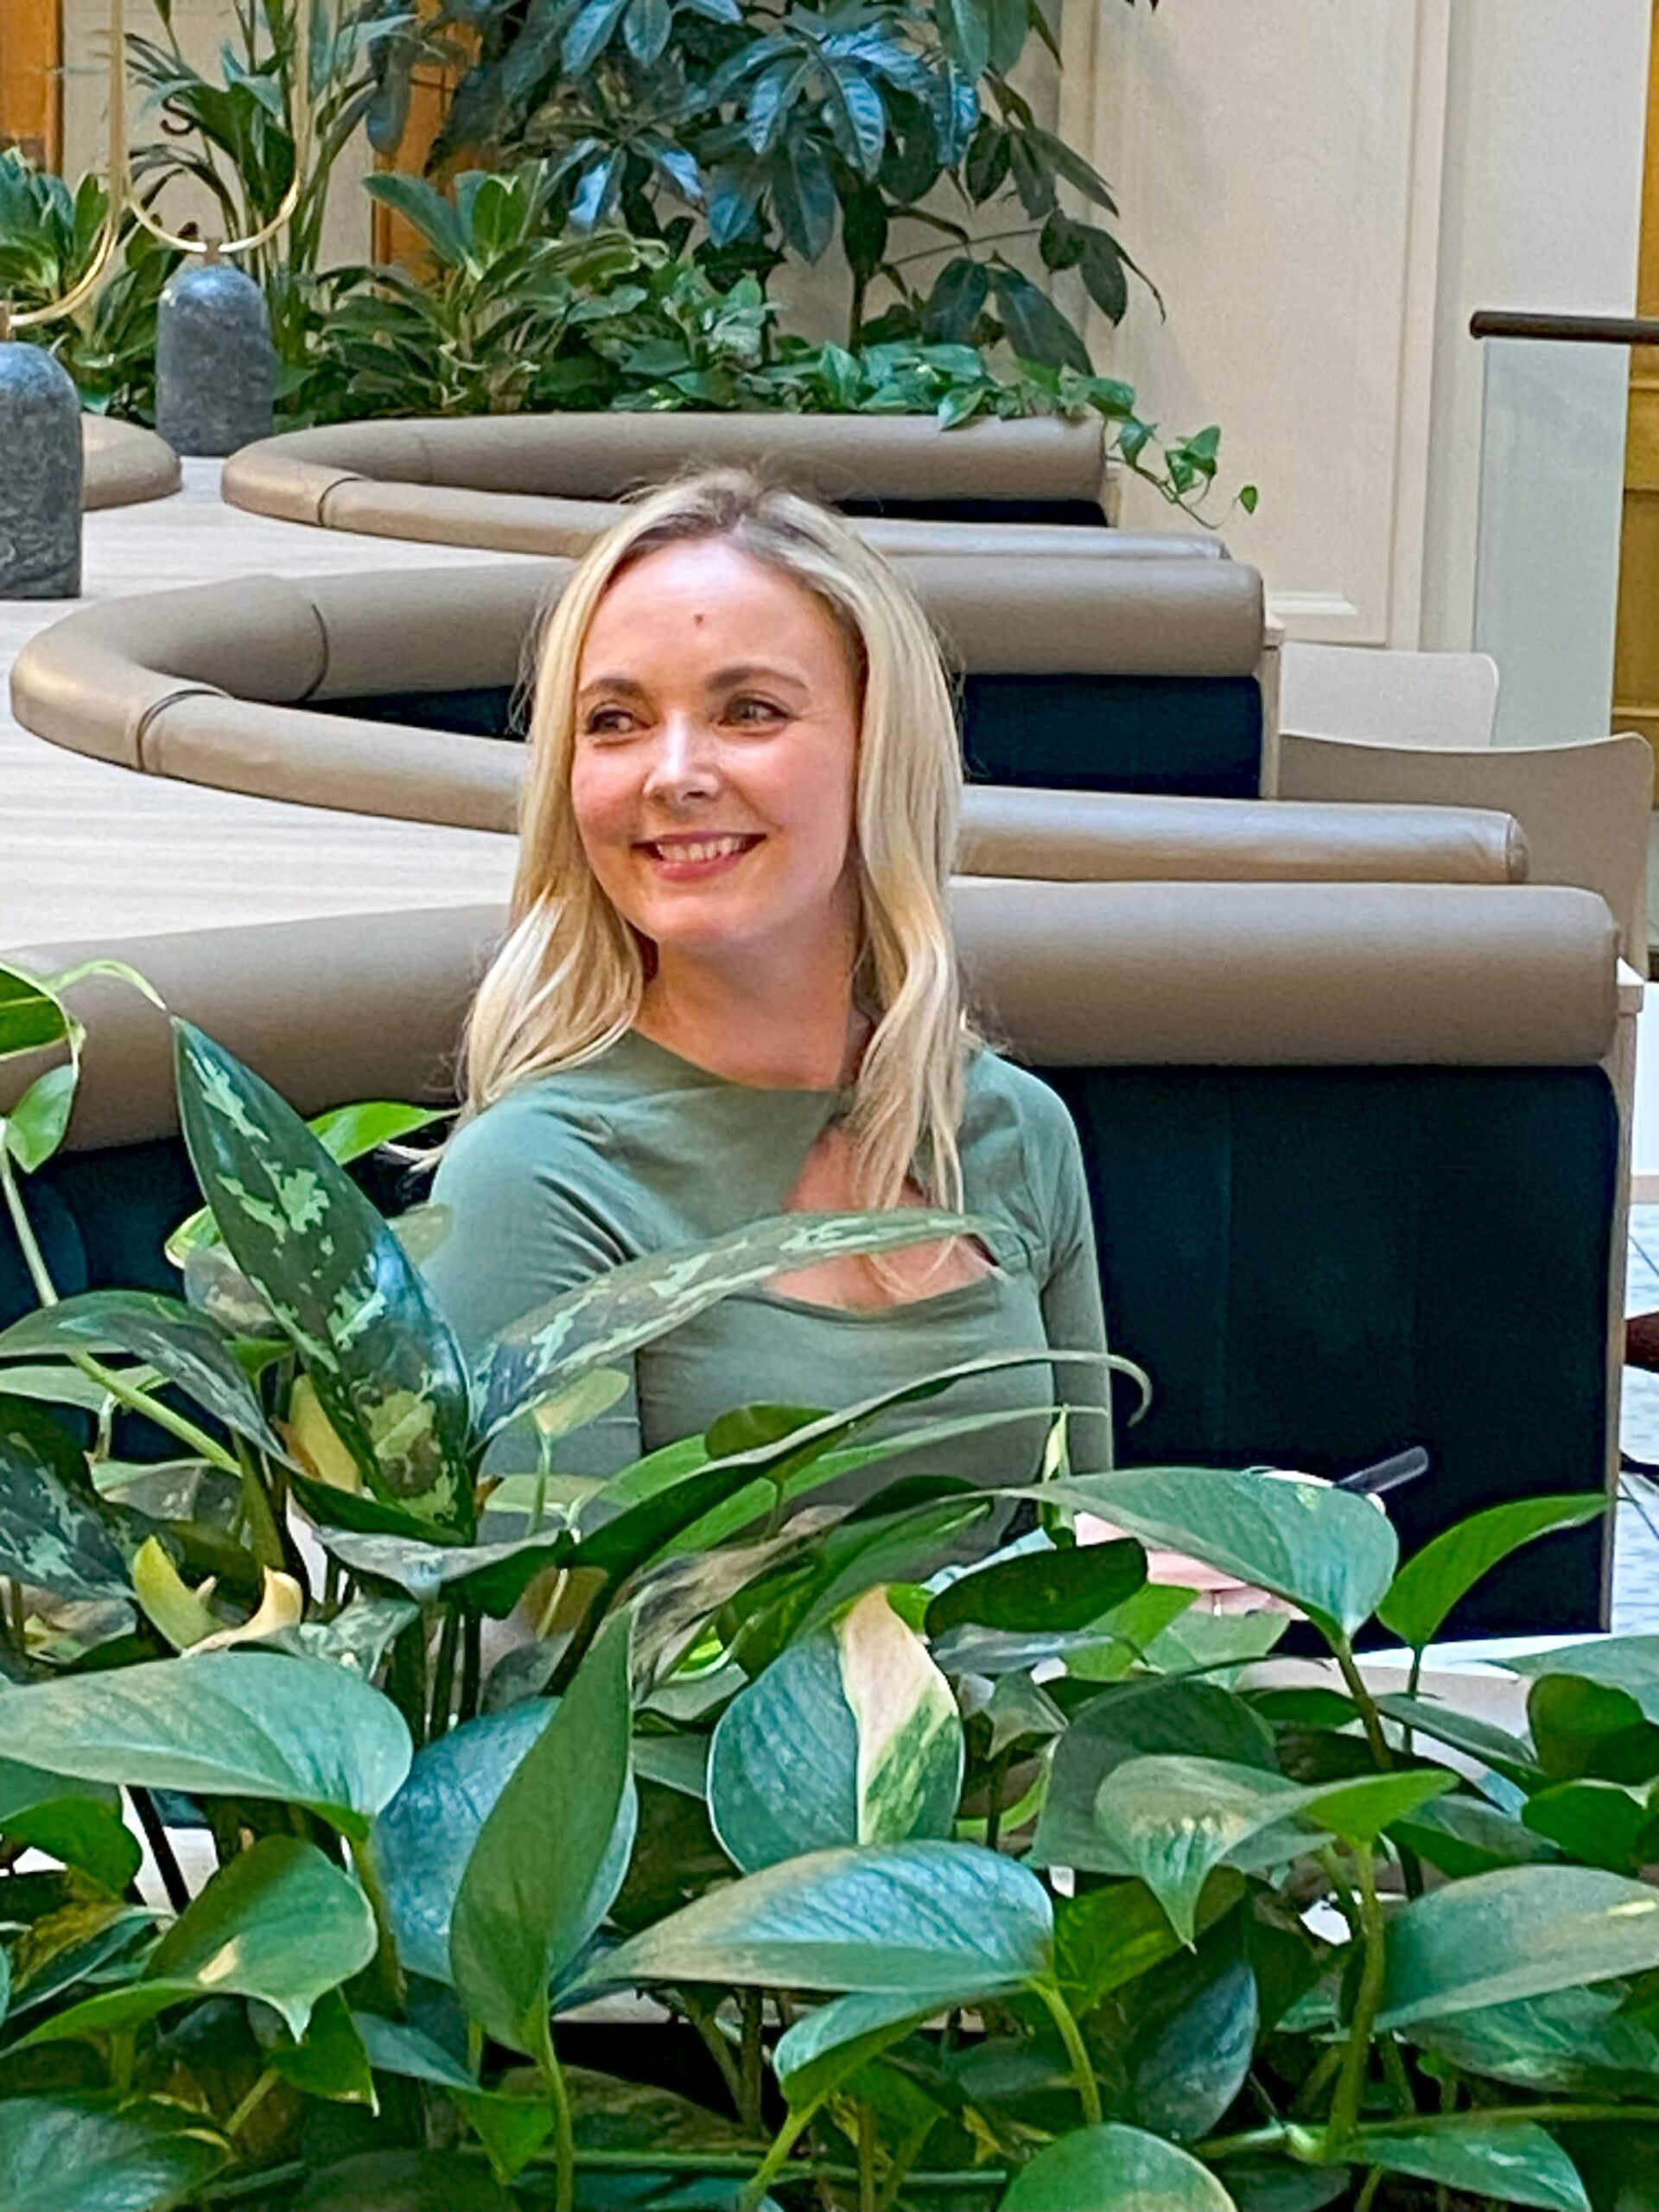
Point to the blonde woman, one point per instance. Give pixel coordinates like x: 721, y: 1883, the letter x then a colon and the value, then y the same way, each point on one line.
x: 730, y: 991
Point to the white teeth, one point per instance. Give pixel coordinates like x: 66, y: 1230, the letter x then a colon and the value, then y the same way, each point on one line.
x: 711, y: 849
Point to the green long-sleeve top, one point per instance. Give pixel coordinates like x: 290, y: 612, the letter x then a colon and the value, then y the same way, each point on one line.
x: 640, y: 1151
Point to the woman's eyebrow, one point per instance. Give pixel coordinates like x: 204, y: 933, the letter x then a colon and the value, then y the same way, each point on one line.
x: 754, y: 671
x: 613, y: 684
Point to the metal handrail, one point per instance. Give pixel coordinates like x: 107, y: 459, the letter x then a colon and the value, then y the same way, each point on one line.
x: 1582, y: 329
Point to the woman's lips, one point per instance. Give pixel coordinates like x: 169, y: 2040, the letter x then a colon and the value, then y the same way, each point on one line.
x: 696, y: 859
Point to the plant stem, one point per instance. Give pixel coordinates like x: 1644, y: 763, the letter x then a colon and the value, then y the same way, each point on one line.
x: 33, y: 1259
x: 1367, y: 1704
x: 471, y: 1664
x: 250, y: 2104
x: 167, y: 1865
x: 867, y: 2201
x: 751, y: 2079
x: 998, y: 1784
x: 1083, y: 2072
x: 264, y: 1534
x: 388, y: 1973
x: 1366, y: 2196
x: 1350, y: 2082
x: 564, y: 2139
x: 776, y: 2157
x: 443, y: 1677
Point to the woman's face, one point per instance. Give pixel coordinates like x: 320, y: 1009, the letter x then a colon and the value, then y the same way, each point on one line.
x: 716, y: 743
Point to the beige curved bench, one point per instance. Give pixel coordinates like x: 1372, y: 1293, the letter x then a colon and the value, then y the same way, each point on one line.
x: 550, y: 483
x: 227, y: 684
x: 122, y: 463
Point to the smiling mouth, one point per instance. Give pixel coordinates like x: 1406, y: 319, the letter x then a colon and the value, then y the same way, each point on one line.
x: 692, y: 850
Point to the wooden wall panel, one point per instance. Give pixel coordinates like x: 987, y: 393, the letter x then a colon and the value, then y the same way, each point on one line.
x: 1635, y: 660
x: 31, y: 88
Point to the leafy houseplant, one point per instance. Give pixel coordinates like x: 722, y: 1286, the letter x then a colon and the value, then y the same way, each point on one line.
x: 916, y: 1928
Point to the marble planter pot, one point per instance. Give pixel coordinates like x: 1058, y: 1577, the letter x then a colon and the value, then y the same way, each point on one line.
x: 215, y: 365
x: 40, y: 475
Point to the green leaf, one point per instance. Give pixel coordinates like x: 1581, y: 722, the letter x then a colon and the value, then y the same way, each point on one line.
x: 1481, y: 1739
x: 1601, y: 1823
x: 935, y: 1921
x: 179, y: 1344
x: 1036, y: 329
x: 52, y: 1533
x: 1131, y: 1720
x: 385, y: 1368
x: 488, y: 1578
x: 965, y: 27
x: 139, y: 2159
x: 1429, y: 1585
x: 329, y: 2060
x: 1108, y: 1937
x: 830, y: 2044
x: 849, y: 1736
x: 432, y: 215
x: 31, y: 1013
x: 1465, y: 1835
x: 1324, y: 1549
x: 1042, y: 1590
x: 241, y: 1723
x: 1171, y: 1821
x: 403, y: 2181
x: 1114, y: 2169
x: 1514, y: 2161
x: 36, y: 1126
x: 1577, y: 2041
x: 1630, y: 1663
x: 602, y: 1321
x: 346, y: 1134
x: 545, y: 1870
x: 79, y: 1825
x: 278, y: 1922
x: 1584, y: 1727
x: 803, y: 197
x: 1521, y: 1932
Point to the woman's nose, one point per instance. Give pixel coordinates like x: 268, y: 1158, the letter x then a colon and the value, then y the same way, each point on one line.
x: 685, y: 765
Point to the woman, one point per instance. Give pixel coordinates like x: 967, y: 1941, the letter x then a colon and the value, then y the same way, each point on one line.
x: 730, y: 991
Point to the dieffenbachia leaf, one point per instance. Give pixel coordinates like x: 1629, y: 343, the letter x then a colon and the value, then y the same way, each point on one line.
x: 602, y: 1321
x: 177, y: 1342
x: 237, y: 1723
x: 279, y: 1922
x: 850, y: 1736
x: 385, y: 1367
x: 52, y: 1532
x: 488, y: 1578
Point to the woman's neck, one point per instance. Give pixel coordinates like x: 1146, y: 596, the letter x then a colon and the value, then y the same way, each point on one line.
x: 741, y: 1025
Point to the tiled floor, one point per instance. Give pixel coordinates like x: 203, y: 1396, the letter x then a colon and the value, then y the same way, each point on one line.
x: 1636, y: 1557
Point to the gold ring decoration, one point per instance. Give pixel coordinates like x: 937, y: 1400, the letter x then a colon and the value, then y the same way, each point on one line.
x: 300, y: 124
x: 115, y: 164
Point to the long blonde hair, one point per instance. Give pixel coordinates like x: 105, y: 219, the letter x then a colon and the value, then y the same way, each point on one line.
x: 567, y: 983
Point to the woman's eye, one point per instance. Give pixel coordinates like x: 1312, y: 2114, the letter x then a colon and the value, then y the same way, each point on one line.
x: 606, y: 722
x: 755, y: 710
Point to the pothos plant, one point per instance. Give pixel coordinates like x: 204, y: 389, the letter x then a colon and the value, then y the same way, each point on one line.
x: 787, y: 1855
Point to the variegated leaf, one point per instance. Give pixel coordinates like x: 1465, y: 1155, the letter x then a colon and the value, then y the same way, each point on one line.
x: 850, y: 1736
x: 52, y: 1535
x: 385, y: 1367
x: 179, y: 1344
x: 603, y: 1320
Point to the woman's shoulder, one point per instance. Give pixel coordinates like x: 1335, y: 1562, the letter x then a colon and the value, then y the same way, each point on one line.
x: 1001, y: 1094
x: 539, y: 1123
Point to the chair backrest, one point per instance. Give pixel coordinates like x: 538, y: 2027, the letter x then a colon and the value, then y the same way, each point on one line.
x: 1390, y: 698
x: 1353, y: 1153
x: 1585, y: 809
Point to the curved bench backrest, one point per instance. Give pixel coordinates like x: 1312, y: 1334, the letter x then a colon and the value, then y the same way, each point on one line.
x: 1352, y: 1153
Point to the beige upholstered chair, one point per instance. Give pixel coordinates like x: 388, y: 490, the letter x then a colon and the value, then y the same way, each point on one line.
x: 1388, y: 698
x: 1584, y: 808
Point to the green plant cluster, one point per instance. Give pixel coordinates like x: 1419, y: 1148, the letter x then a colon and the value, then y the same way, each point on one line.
x: 650, y: 172
x: 1021, y: 1886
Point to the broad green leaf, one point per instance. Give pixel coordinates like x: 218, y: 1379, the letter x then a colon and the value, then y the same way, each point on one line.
x: 386, y: 1369
x: 1172, y: 1820
x: 966, y: 26
x: 239, y: 1724
x: 36, y: 1126
x: 328, y: 2060
x: 1523, y: 1931
x: 1481, y: 1739
x: 532, y: 1894
x: 488, y: 1578
x: 1429, y: 1585
x: 78, y: 1823
x: 599, y: 1322
x: 177, y: 1342
x: 1576, y: 2041
x: 1465, y: 1835
x: 1582, y: 1727
x: 1216, y: 1644
x: 278, y: 1922
x: 402, y: 2181
x: 928, y: 1920
x: 1600, y: 1823
x: 830, y: 2044
x: 850, y: 1736
x: 1131, y: 1720
x: 1042, y: 1590
x: 1113, y: 2168
x: 144, y: 2158
x: 31, y: 1013
x: 1187, y: 2038
x: 1630, y: 1663
x: 52, y: 1534
x: 346, y: 1134
x: 1108, y: 1937
x: 1515, y: 2161
x: 1329, y: 1552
